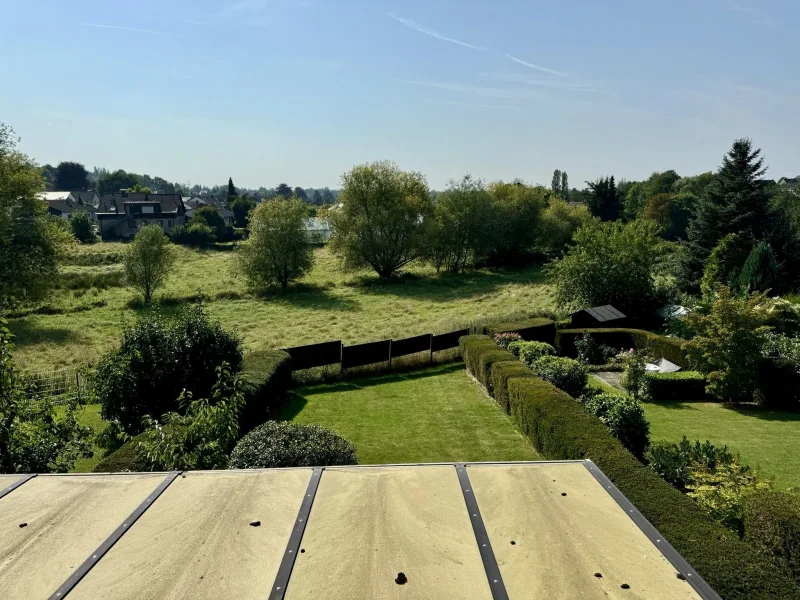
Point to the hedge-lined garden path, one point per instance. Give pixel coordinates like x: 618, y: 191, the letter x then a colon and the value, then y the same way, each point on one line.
x: 432, y: 415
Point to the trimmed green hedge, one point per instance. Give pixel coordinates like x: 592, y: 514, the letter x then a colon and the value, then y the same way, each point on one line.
x: 772, y: 524
x: 682, y: 385
x: 658, y: 345
x: 479, y: 352
x: 122, y: 459
x: 501, y: 373
x: 531, y: 330
x: 267, y: 375
x: 560, y: 428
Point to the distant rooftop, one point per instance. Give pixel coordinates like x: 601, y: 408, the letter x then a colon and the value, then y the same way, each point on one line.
x: 445, y: 531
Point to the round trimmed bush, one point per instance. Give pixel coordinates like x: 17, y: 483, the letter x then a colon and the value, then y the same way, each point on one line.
x: 564, y: 373
x: 624, y: 417
x: 282, y: 444
x: 530, y: 352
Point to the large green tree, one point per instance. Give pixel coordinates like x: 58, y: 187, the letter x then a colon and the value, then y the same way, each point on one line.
x: 148, y: 260
x: 516, y: 210
x: 30, y: 243
x: 609, y: 263
x: 241, y: 208
x: 231, y: 190
x: 284, y: 191
x: 558, y: 225
x: 381, y: 224
x: 604, y: 201
x: 71, y: 176
x: 735, y: 202
x: 112, y: 183
x: 277, y: 251
x: 209, y: 215
x: 555, y: 185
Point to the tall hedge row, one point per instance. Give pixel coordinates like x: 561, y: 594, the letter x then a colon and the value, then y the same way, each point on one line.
x: 658, y: 345
x: 267, y: 375
x: 559, y: 428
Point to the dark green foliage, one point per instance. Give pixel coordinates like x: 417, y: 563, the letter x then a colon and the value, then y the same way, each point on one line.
x: 592, y: 353
x: 240, y: 207
x: 536, y: 329
x: 283, y: 191
x: 159, y: 358
x: 231, y: 190
x: 779, y: 373
x: 500, y: 374
x: 604, y: 201
x: 772, y: 524
x: 530, y: 352
x: 195, y: 234
x: 82, y: 227
x: 760, y: 270
x: 122, y: 459
x: 267, y: 375
x: 71, y: 176
x: 674, y: 462
x: 725, y: 262
x: 280, y: 444
x: 564, y: 373
x: 209, y: 215
x: 479, y: 352
x: 682, y: 386
x: 657, y: 346
x: 624, y: 417
x: 735, y: 202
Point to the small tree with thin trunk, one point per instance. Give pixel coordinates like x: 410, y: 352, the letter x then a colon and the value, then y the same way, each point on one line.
x: 278, y: 251
x: 148, y: 260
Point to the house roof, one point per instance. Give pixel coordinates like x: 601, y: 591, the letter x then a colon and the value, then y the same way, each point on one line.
x: 454, y: 531
x: 61, y: 206
x: 51, y: 196
x: 602, y: 313
x: 114, y: 203
x: 316, y: 224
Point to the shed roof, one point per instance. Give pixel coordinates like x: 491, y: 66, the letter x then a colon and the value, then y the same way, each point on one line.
x: 477, y: 531
x: 603, y: 313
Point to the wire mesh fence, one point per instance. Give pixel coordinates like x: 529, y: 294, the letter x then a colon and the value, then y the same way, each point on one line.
x: 57, y: 386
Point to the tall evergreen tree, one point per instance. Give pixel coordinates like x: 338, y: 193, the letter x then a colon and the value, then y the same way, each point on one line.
x: 735, y: 202
x: 231, y: 190
x: 564, y: 185
x: 556, y: 185
x: 603, y: 199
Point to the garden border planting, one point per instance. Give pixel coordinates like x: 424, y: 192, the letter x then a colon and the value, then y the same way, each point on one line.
x: 662, y: 346
x: 537, y: 329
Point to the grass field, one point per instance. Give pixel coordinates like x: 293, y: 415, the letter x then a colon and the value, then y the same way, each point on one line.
x: 767, y: 440
x: 327, y: 304
x: 435, y: 415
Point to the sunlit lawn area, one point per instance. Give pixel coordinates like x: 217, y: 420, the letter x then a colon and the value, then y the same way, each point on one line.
x: 433, y: 415
x: 767, y: 440
x: 89, y: 415
x: 327, y: 304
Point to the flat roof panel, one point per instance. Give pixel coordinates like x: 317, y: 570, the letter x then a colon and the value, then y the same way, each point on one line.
x: 7, y: 480
x: 196, y: 540
x: 561, y: 541
x: 369, y: 524
x: 67, y: 518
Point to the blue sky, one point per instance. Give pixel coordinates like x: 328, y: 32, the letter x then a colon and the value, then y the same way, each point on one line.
x: 268, y: 91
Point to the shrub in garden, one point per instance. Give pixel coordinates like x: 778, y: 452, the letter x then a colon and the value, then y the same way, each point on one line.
x: 675, y: 462
x: 505, y: 339
x: 148, y: 261
x: 530, y: 352
x: 158, y: 359
x: 624, y: 417
x: 772, y: 524
x: 634, y: 373
x: 82, y: 228
x: 590, y: 352
x: 283, y: 444
x: 195, y: 234
x: 564, y: 373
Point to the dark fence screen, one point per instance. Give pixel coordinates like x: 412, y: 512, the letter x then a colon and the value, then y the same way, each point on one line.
x: 315, y: 355
x: 412, y: 345
x: 446, y: 341
x: 366, y: 354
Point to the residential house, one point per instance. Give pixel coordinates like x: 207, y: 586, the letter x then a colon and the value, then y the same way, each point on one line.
x: 192, y: 203
x: 790, y: 182
x: 120, y: 215
x: 63, y: 204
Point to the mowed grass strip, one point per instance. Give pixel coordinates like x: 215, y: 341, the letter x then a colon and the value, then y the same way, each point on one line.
x: 327, y: 304
x: 432, y: 415
x: 767, y: 440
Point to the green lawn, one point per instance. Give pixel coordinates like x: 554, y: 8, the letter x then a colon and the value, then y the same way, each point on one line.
x: 434, y: 415
x: 768, y: 441
x: 89, y: 415
x: 327, y: 304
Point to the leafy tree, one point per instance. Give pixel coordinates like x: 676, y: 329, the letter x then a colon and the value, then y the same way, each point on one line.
x: 564, y: 185
x: 139, y: 189
x: 112, y: 183
x: 34, y: 437
x: 301, y: 193
x: 728, y: 341
x: 696, y: 185
x: 209, y: 215
x: 284, y: 191
x: 30, y: 243
x: 202, y: 437
x: 558, y: 224
x: 516, y: 210
x: 382, y: 222
x: 277, y: 251
x: 760, y: 270
x: 194, y: 234
x: 158, y: 359
x: 658, y: 209
x: 49, y: 176
x: 735, y: 202
x: 82, y: 227
x: 148, y: 260
x: 71, y: 176
x: 555, y: 186
x: 231, y: 190
x: 327, y: 197
x: 603, y: 199
x: 241, y: 208
x: 609, y: 263
x: 725, y: 263
x: 460, y: 227
x: 316, y: 199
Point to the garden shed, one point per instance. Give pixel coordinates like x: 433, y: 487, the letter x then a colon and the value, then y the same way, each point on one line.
x: 599, y: 316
